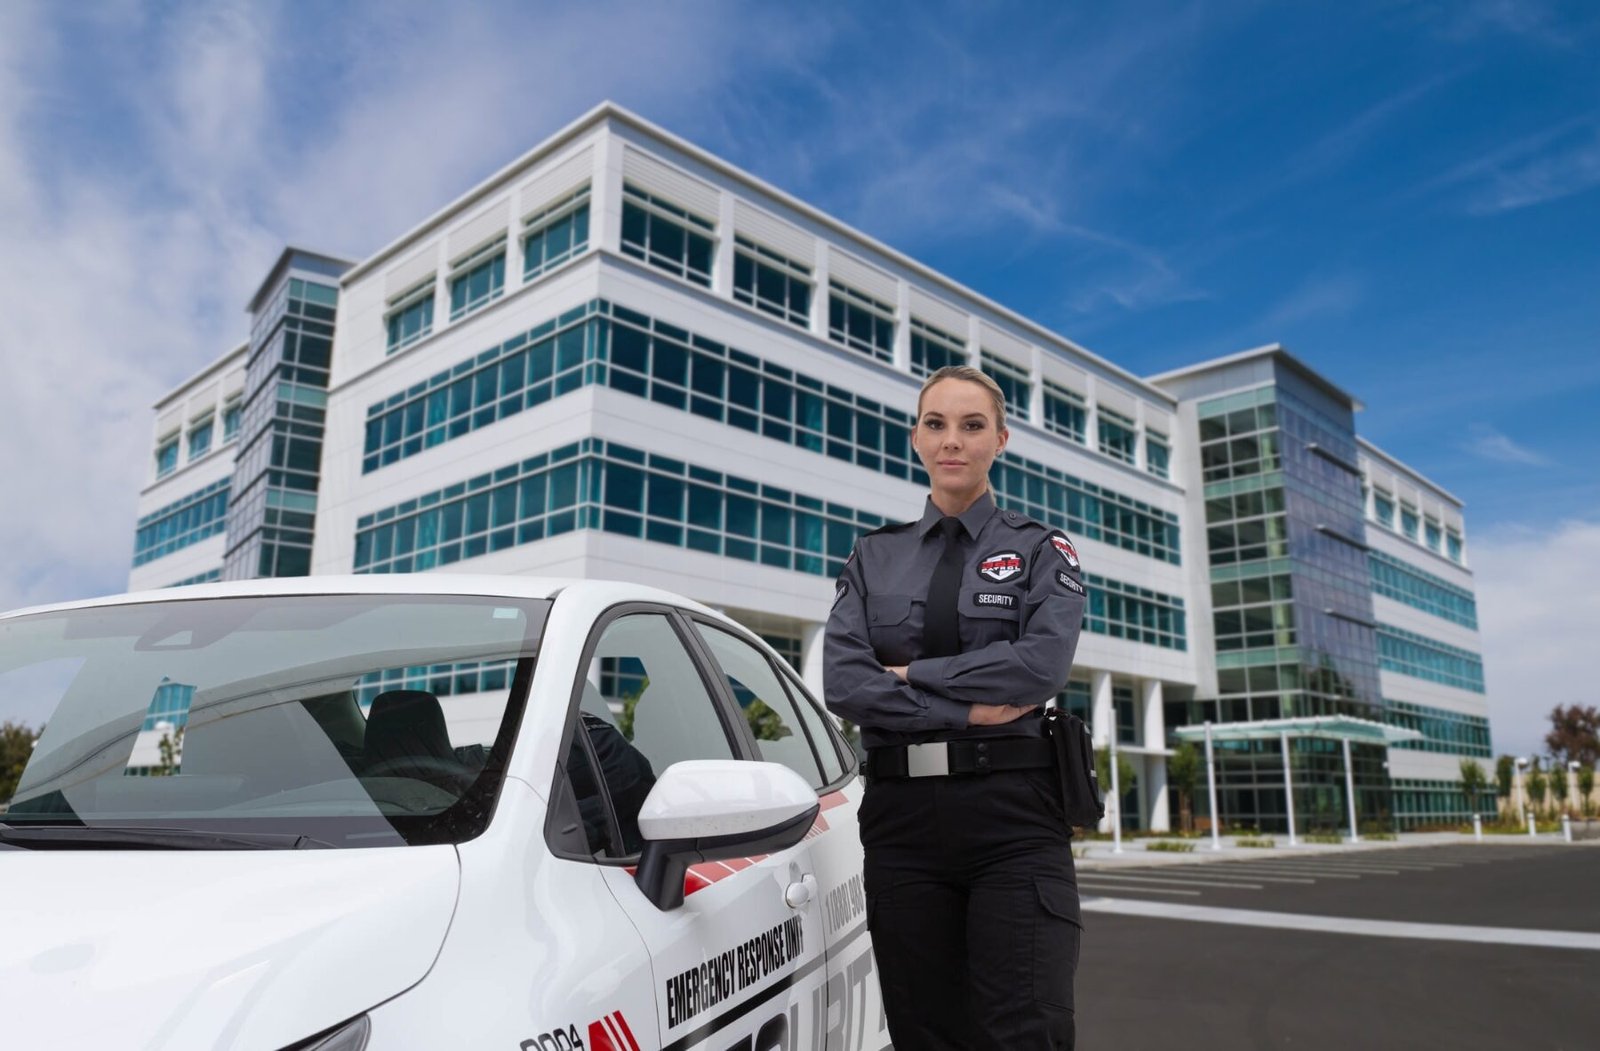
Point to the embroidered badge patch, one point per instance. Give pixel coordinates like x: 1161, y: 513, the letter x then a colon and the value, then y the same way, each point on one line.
x: 995, y: 598
x: 1064, y: 546
x: 1001, y: 566
x: 1067, y: 582
x: 841, y: 591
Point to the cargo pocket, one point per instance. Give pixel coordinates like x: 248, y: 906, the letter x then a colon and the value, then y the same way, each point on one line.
x: 1057, y: 933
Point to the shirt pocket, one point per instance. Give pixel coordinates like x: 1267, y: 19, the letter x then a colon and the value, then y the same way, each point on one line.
x: 892, y: 628
x: 884, y: 611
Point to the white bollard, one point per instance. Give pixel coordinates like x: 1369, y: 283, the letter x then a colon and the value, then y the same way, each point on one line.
x: 1566, y: 828
x: 1477, y: 827
x: 1530, y: 824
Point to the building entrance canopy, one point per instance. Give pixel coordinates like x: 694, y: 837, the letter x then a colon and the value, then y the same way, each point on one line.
x: 1342, y: 728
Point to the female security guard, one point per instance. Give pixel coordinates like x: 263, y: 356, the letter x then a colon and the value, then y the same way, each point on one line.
x: 947, y: 635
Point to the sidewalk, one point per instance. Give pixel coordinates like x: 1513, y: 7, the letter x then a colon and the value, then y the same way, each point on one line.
x: 1097, y: 854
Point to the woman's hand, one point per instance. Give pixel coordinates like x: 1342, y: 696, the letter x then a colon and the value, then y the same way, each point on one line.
x: 897, y: 670
x: 997, y: 714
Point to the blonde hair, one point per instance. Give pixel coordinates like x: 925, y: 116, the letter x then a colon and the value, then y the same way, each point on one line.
x: 971, y: 375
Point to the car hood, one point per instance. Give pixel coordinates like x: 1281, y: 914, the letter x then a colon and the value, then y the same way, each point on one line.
x: 191, y: 950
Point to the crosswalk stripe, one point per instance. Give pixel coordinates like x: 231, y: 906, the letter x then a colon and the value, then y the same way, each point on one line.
x: 1116, y: 888
x: 1103, y: 876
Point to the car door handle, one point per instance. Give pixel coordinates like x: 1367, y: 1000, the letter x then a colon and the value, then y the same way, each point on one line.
x: 799, y: 893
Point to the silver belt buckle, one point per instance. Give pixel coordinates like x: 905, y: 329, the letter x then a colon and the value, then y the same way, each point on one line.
x: 927, y: 760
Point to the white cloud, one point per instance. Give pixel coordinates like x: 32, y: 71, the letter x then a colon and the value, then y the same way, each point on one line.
x: 1539, y: 614
x: 1492, y: 445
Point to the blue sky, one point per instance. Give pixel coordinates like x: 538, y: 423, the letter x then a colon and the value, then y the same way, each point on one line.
x: 1407, y: 195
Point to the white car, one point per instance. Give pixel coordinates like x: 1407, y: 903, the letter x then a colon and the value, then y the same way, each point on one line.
x: 424, y: 812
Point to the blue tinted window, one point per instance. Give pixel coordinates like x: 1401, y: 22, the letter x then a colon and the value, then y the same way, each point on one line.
x: 1383, y: 509
x: 1013, y: 383
x: 1408, y: 653
x: 932, y: 349
x: 200, y: 439
x: 411, y: 320
x: 478, y: 281
x: 230, y: 421
x: 666, y: 236
x: 860, y: 321
x: 1117, y: 435
x: 186, y: 521
x: 556, y: 234
x: 1156, y: 455
x: 1419, y: 589
x: 1064, y: 413
x: 167, y: 457
x: 772, y: 283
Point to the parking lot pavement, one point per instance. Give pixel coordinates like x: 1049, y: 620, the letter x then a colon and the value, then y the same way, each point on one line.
x: 1417, y: 947
x: 1538, y: 887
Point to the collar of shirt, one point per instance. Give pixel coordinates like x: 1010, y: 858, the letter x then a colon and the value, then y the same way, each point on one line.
x: 972, y: 519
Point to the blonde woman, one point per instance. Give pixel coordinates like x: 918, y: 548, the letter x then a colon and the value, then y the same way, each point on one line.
x: 947, y: 636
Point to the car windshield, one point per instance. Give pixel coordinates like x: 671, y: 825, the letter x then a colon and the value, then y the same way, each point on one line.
x: 351, y: 721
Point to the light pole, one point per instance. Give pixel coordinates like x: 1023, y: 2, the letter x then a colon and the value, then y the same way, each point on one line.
x: 1211, y: 790
x: 1522, y: 788
x: 1116, y: 797
x: 1572, y: 783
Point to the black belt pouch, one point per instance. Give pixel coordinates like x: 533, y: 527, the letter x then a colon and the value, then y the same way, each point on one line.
x: 1074, y: 760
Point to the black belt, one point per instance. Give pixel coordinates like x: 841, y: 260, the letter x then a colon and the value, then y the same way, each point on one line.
x: 944, y: 758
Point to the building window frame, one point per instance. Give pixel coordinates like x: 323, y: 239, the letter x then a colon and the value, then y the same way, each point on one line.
x: 696, y: 255
x: 1383, y: 508
x: 478, y: 278
x: 1453, y: 545
x: 201, y: 431
x: 412, y: 309
x: 1013, y: 380
x: 1118, y: 435
x: 932, y: 348
x: 1157, y: 454
x: 1065, y: 412
x: 568, y: 216
x: 860, y: 321
x: 167, y: 455
x: 755, y: 266
x: 1410, y: 523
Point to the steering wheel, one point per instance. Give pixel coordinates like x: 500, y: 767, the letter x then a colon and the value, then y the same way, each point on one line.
x: 452, y: 775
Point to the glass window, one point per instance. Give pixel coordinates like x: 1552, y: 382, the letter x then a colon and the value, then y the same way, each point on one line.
x: 1013, y: 382
x: 667, y: 236
x: 1453, y: 545
x: 280, y: 737
x: 1433, y: 535
x: 167, y: 456
x: 231, y: 412
x: 555, y: 234
x: 478, y: 279
x: 770, y: 282
x: 1156, y: 454
x: 644, y: 707
x: 860, y: 321
x: 410, y: 316
x: 200, y: 438
x: 1383, y: 509
x: 932, y: 349
x: 1064, y: 412
x: 1408, y: 522
x: 1117, y: 435
x: 767, y: 707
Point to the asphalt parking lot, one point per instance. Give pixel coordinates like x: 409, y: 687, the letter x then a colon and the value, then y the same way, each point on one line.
x: 1455, y: 946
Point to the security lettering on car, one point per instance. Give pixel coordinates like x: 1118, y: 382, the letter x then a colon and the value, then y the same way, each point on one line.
x: 422, y: 812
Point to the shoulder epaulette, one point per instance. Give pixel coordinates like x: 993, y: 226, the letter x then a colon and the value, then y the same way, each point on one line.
x: 1018, y: 520
x: 889, y: 528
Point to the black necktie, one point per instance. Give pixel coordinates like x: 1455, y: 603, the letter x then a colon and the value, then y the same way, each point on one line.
x: 940, y: 635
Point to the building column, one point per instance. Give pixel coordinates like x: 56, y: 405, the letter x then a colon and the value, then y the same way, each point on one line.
x: 902, y: 327
x: 722, y: 265
x: 1102, y: 724
x: 818, y: 321
x: 811, y: 658
x: 605, y: 194
x: 1158, y: 817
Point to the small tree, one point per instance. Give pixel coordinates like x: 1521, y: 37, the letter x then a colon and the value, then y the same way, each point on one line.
x: 1125, y: 774
x: 1558, y: 785
x: 1183, y: 770
x: 171, y: 748
x: 1586, y: 789
x: 1473, y: 780
x: 1505, y: 772
x: 1574, y: 734
x: 1537, y: 783
x: 16, y: 746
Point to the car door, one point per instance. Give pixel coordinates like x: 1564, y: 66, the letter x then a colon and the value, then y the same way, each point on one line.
x: 787, y: 726
x: 736, y: 964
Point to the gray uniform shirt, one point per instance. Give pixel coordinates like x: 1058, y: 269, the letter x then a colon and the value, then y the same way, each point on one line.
x: 1019, y: 614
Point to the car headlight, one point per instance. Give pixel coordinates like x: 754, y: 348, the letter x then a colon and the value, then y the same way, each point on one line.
x: 352, y: 1036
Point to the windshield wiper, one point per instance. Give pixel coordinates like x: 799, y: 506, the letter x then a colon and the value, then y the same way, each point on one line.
x: 80, y: 837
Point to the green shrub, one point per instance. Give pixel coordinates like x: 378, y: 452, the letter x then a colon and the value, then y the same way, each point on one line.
x: 1255, y: 841
x: 1170, y: 846
x: 1323, y: 837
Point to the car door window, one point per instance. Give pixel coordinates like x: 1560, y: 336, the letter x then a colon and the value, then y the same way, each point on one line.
x: 767, y: 707
x: 643, y: 707
x: 828, y: 743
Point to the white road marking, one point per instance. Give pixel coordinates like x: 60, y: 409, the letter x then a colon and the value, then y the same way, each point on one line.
x: 1538, y: 939
x: 1116, y: 887
x: 1250, y: 868
x: 1178, y: 878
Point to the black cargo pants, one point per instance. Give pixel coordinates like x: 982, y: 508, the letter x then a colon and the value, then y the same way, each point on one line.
x: 973, y: 906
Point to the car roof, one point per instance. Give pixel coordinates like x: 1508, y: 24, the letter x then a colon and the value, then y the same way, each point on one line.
x: 606, y: 591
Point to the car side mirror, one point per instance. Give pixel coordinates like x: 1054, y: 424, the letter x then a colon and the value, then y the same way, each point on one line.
x: 715, y: 809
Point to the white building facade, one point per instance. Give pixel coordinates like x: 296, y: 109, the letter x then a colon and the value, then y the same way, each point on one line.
x: 622, y: 357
